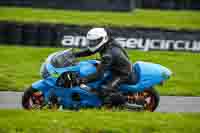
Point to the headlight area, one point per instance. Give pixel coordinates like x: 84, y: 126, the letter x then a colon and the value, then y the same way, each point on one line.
x: 43, y: 71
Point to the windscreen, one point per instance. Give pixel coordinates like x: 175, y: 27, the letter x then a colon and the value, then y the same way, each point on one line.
x: 62, y: 59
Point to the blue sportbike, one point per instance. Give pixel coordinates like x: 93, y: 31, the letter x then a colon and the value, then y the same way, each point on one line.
x: 60, y: 86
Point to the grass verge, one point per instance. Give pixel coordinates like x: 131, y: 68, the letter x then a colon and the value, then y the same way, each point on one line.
x: 137, y: 18
x: 20, y: 66
x: 92, y: 121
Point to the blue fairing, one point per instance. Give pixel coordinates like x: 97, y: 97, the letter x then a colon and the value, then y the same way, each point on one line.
x: 149, y: 74
x: 87, y: 99
x: 48, y: 85
x: 41, y: 85
x: 86, y: 68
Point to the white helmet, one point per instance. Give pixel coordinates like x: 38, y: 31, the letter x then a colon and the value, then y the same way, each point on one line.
x: 96, y: 38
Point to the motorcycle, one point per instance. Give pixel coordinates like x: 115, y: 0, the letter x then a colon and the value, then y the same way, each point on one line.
x: 60, y: 87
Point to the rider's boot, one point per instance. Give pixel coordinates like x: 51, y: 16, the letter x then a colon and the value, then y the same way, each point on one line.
x: 112, y: 96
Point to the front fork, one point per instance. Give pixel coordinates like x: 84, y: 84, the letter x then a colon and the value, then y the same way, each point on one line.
x: 42, y: 87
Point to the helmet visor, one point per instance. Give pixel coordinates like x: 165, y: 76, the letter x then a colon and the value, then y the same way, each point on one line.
x: 94, y: 43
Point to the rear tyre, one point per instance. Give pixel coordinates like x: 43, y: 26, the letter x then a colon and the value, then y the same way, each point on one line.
x: 32, y: 99
x: 148, y: 100
x: 152, y: 100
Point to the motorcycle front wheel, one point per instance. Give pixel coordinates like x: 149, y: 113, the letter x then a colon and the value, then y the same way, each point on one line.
x: 32, y: 99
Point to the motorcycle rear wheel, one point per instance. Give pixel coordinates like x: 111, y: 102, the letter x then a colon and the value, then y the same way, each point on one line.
x: 147, y: 100
x: 152, y: 100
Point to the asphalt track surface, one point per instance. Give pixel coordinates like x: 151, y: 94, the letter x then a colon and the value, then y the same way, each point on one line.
x: 12, y: 100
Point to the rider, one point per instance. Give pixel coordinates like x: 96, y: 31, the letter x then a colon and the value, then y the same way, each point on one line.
x: 113, y: 57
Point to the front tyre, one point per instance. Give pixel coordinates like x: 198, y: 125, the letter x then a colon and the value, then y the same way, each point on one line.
x: 32, y: 99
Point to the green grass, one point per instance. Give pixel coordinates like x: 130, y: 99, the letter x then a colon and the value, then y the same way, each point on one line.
x: 20, y: 66
x: 137, y: 18
x: 93, y: 121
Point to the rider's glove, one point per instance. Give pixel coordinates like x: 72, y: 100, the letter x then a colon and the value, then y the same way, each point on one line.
x: 81, y: 81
